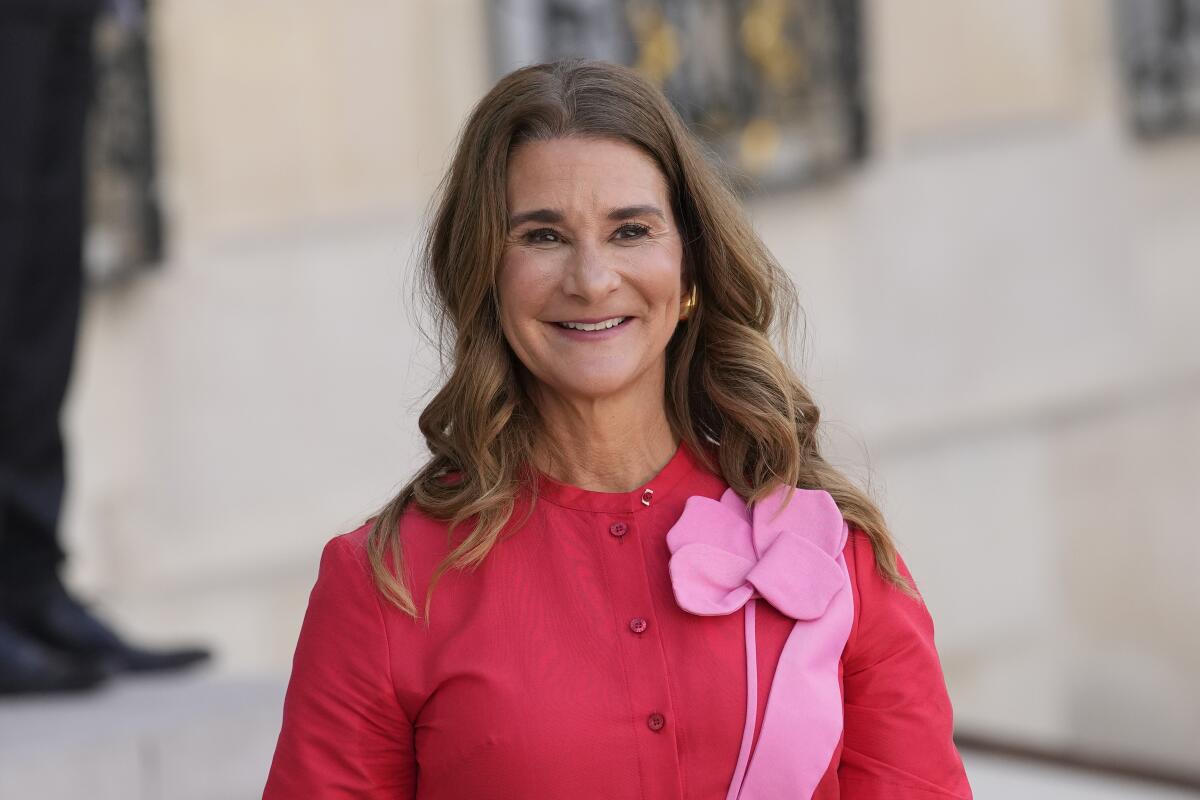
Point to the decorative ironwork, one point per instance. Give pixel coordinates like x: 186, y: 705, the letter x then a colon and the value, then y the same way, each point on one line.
x: 124, y: 221
x: 774, y: 86
x: 1159, y: 41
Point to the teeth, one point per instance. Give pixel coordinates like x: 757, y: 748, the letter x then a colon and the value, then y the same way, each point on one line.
x: 593, y: 326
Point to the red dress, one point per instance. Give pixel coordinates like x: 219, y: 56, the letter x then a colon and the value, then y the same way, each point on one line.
x: 562, y: 667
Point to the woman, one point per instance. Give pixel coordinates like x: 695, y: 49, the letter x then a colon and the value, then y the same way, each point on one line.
x: 633, y: 599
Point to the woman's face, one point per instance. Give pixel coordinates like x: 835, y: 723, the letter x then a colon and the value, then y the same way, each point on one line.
x: 592, y: 273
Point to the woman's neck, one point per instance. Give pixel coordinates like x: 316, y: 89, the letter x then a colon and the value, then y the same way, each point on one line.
x: 604, y: 446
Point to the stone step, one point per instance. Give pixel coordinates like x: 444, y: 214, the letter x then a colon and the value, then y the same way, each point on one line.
x: 210, y: 736
x: 204, y: 736
x: 1002, y: 778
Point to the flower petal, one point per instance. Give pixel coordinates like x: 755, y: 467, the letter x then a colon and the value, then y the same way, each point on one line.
x: 796, y: 577
x: 714, y: 523
x: 708, y: 580
x: 810, y: 512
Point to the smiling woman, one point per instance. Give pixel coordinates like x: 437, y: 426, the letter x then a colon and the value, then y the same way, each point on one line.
x: 650, y: 582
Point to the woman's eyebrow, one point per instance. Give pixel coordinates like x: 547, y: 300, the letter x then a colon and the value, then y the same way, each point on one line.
x: 538, y: 215
x: 554, y: 216
x: 628, y: 212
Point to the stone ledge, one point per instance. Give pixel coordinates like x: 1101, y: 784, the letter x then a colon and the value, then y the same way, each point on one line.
x: 201, y: 737
x: 211, y: 737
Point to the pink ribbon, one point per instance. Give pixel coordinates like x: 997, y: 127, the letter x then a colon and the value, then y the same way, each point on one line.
x: 789, y: 553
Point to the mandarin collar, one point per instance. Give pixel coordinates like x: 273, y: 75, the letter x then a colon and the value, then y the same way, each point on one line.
x: 648, y: 495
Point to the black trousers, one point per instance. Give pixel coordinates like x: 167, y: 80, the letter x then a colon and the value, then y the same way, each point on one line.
x: 45, y: 84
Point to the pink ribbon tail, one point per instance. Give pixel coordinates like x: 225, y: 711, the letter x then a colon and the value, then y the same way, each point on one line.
x: 739, y: 772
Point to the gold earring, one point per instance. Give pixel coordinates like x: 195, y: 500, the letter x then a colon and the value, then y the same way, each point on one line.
x: 689, y: 305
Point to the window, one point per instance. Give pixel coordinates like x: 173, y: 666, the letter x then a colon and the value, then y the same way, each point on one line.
x: 774, y: 86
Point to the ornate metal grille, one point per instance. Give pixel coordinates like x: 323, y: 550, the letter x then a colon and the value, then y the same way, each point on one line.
x: 1160, y: 56
x: 774, y: 86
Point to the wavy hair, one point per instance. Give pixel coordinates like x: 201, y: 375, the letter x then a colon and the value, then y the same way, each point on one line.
x: 729, y: 393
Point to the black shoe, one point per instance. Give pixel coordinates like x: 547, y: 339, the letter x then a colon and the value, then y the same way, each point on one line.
x: 28, y: 667
x: 55, y: 618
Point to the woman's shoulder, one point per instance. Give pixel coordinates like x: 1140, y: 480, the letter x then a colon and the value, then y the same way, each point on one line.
x: 424, y: 543
x: 862, y: 564
x: 415, y: 527
x: 884, y: 614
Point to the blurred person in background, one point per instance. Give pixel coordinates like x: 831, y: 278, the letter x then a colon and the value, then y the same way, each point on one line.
x: 615, y: 455
x: 48, y: 640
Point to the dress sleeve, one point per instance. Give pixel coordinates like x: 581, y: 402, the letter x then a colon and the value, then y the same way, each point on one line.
x: 344, y: 732
x: 898, y: 741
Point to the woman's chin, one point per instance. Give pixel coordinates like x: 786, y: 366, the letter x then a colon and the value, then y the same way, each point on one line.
x: 595, y: 386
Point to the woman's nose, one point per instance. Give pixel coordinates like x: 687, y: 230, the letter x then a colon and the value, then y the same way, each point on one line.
x: 591, y: 276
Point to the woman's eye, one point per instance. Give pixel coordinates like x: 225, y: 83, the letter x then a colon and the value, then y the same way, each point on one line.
x: 542, y: 236
x: 632, y: 231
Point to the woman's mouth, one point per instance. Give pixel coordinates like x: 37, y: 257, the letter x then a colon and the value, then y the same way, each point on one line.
x: 593, y: 330
x: 611, y: 322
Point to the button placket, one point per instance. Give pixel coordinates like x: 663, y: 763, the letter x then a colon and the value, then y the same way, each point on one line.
x: 642, y: 656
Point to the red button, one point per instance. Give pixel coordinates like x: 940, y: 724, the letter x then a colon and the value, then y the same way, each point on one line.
x: 638, y: 625
x: 618, y: 529
x: 656, y: 721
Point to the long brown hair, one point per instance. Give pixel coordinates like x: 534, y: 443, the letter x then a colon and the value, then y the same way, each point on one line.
x: 728, y: 391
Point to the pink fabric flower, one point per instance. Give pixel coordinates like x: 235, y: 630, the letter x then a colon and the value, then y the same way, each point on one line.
x: 788, y: 552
